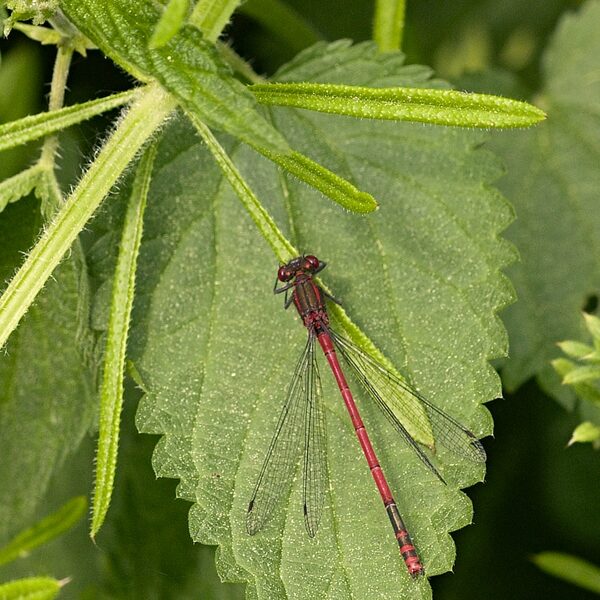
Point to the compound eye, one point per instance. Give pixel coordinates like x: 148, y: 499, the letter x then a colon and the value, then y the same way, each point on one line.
x: 284, y: 274
x: 311, y: 263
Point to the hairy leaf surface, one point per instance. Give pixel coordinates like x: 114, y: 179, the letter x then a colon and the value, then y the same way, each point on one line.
x: 46, y: 399
x: 215, y: 349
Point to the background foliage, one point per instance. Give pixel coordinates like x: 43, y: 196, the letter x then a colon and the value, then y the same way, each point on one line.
x: 538, y: 496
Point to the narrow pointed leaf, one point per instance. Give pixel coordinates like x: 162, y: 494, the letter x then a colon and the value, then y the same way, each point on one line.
x: 439, y: 107
x: 570, y: 568
x: 585, y: 432
x: 45, y: 530
x: 15, y: 133
x: 111, y: 394
x: 593, y: 325
x: 170, y: 22
x: 582, y: 374
x: 331, y: 185
x: 575, y: 349
x: 31, y: 588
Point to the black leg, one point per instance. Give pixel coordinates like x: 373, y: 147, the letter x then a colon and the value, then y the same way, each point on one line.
x: 285, y: 288
x: 332, y: 298
x: 288, y: 301
x: 322, y: 265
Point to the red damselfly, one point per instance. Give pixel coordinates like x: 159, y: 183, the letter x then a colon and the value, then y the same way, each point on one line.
x: 302, y: 420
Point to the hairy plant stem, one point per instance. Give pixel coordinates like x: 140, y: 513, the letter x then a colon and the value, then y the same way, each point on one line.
x: 53, y: 196
x: 140, y: 121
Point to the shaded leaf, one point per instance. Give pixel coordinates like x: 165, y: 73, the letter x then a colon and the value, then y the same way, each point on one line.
x: 46, y: 399
x: 575, y: 349
x: 48, y: 528
x: 553, y: 180
x: 585, y: 432
x: 570, y: 568
x: 32, y: 588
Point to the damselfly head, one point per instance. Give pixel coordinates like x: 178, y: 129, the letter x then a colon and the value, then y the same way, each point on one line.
x: 297, y: 266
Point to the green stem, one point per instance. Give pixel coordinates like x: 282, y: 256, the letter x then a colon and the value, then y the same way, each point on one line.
x: 388, y: 24
x: 281, y: 246
x: 50, y: 146
x: 211, y: 16
x: 238, y: 64
x: 56, y: 101
x: 283, y: 22
x: 138, y: 124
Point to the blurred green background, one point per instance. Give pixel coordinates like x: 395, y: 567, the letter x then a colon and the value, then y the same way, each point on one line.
x: 538, y: 495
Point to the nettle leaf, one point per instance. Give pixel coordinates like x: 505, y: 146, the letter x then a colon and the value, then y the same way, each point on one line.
x: 215, y: 350
x: 553, y: 181
x: 145, y: 542
x: 187, y: 65
x: 46, y: 399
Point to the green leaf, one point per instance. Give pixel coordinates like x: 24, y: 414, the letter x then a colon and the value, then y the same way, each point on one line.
x: 146, y: 548
x: 593, y: 325
x: 45, y: 530
x: 170, y: 23
x: 33, y: 127
x: 570, y: 568
x: 593, y: 357
x: 20, y: 185
x: 439, y: 107
x: 215, y: 349
x: 563, y: 366
x: 575, y: 349
x: 552, y: 179
x: 111, y: 394
x: 331, y: 185
x: 31, y: 588
x: 585, y: 432
x: 582, y: 374
x: 46, y: 399
x: 187, y: 66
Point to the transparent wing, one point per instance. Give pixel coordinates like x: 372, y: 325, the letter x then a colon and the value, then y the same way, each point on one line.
x: 315, y: 456
x: 390, y: 394
x: 282, y: 456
